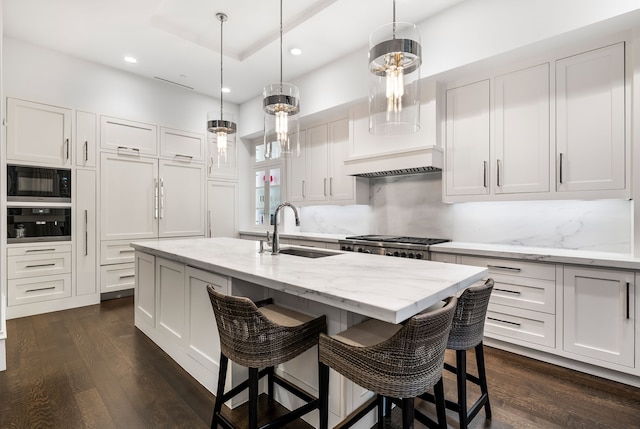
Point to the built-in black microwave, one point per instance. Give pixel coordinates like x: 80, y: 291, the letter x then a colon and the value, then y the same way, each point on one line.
x: 36, y: 224
x: 27, y: 183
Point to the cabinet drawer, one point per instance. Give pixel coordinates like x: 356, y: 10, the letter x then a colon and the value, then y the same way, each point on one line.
x: 524, y: 325
x: 512, y: 267
x: 116, y: 252
x: 181, y: 145
x: 45, y: 264
x: 38, y: 250
x: 37, y: 289
x: 128, y: 137
x: 117, y: 277
x: 519, y: 292
x: 444, y: 257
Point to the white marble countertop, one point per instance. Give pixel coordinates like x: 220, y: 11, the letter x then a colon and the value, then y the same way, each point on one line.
x: 390, y: 289
x: 542, y: 254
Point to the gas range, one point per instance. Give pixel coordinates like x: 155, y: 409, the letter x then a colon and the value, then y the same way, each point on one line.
x: 390, y: 245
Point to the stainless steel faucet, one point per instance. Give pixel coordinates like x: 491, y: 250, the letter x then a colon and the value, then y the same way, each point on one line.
x: 275, y: 240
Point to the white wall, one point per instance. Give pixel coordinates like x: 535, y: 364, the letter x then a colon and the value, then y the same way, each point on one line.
x: 43, y: 75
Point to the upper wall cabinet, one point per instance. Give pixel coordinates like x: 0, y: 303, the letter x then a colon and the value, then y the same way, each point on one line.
x: 86, y: 139
x: 467, y: 140
x: 499, y: 138
x: 590, y: 104
x: 128, y: 136
x: 38, y: 133
x: 222, y: 165
x: 181, y: 145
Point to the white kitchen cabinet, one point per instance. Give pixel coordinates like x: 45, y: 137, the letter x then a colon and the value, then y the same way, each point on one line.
x: 590, y: 121
x: 130, y: 137
x: 129, y: 197
x: 170, y: 294
x: 324, y: 178
x: 599, y: 315
x: 297, y: 172
x: 221, y: 166
x: 467, y: 140
x: 117, y: 277
x: 181, y: 145
x: 86, y: 232
x: 38, y: 133
x: 145, y: 295
x: 268, y: 192
x: 222, y: 212
x: 181, y: 199
x: 86, y: 139
x: 521, y: 108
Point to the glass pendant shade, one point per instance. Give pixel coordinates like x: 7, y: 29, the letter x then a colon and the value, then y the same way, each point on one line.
x: 395, y: 56
x: 281, y: 120
x: 223, y: 133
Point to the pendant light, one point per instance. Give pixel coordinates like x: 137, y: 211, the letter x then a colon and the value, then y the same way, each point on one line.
x: 281, y: 105
x: 223, y: 130
x: 395, y: 56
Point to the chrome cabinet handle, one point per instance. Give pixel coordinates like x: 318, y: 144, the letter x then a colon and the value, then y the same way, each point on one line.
x: 331, y: 186
x: 515, y: 292
x: 183, y: 157
x: 40, y: 265
x: 628, y: 302
x: 155, y: 196
x: 498, y: 172
x: 161, y: 198
x: 484, y: 174
x: 39, y: 250
x: 67, y: 145
x: 303, y: 189
x: 127, y: 276
x: 86, y: 151
x: 503, y: 321
x: 325, y: 186
x: 560, y: 167
x: 209, y: 222
x: 501, y: 267
x: 136, y: 151
x: 127, y: 250
x: 39, y: 289
x: 86, y: 233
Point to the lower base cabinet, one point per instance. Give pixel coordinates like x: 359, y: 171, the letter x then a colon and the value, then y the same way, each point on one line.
x: 599, y: 315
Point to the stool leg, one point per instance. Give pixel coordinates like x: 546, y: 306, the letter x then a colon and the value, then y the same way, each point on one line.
x: 381, y: 401
x: 323, y: 375
x: 407, y: 413
x: 270, y: 383
x: 253, y: 398
x: 441, y: 410
x: 222, y: 375
x: 461, y: 376
x: 482, y: 375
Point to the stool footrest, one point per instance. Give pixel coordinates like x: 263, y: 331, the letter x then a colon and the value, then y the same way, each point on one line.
x: 358, y: 413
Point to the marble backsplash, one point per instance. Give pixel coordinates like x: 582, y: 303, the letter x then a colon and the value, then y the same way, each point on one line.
x: 412, y: 205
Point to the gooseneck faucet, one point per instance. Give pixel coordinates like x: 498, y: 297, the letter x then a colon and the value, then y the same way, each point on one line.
x: 275, y: 240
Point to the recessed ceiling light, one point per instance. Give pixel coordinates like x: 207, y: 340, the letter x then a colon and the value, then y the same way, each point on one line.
x: 296, y: 51
x: 130, y: 60
x: 225, y: 90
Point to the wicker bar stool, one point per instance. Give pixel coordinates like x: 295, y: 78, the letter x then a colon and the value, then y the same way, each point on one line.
x: 393, y: 361
x: 260, y: 336
x: 466, y: 333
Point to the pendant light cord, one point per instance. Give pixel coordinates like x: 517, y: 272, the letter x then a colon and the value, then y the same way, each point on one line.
x: 394, y: 19
x: 221, y: 57
x: 281, y: 46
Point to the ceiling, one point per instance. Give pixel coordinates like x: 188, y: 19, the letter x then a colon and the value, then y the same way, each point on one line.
x: 179, y: 40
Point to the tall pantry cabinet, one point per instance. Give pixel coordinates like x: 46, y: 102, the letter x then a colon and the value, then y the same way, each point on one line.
x: 146, y: 193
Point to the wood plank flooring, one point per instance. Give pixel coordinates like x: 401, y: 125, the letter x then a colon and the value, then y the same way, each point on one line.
x: 91, y: 368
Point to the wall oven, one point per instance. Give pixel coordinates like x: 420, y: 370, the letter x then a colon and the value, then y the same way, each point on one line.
x: 36, y: 224
x: 27, y: 183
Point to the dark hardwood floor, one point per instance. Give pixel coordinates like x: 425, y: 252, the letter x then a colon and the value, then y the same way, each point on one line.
x: 90, y: 368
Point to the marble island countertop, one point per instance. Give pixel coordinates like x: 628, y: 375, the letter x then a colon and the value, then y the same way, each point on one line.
x: 390, y: 289
x: 542, y: 254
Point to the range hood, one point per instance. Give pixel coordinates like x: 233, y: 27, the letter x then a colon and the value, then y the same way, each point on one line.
x: 410, y: 161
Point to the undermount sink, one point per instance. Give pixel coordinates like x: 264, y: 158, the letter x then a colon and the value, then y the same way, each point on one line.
x: 307, y: 253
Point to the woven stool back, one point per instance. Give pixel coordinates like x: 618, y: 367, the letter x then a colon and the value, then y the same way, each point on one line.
x: 467, y: 329
x: 250, y: 339
x: 405, y: 365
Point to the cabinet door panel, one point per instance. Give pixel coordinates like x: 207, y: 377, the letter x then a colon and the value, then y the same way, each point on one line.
x: 181, y: 144
x: 181, y: 199
x: 317, y: 163
x: 599, y: 314
x: 222, y: 216
x: 85, y: 233
x: 136, y: 137
x: 590, y: 109
x: 522, y: 131
x: 296, y: 173
x: 467, y: 140
x: 170, y: 297
x: 145, y: 289
x: 38, y: 133
x: 86, y: 139
x: 129, y: 186
x: 341, y: 185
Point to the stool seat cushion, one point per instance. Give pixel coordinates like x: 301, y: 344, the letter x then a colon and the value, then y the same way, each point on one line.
x: 368, y: 333
x: 284, y: 316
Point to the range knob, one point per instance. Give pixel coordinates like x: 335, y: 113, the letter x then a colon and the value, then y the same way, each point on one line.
x: 343, y: 247
x: 411, y: 255
x: 367, y: 251
x: 403, y: 255
x: 360, y: 249
x: 389, y: 254
x: 419, y: 256
x: 396, y: 254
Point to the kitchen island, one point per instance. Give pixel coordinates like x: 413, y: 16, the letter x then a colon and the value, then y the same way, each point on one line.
x: 172, y: 307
